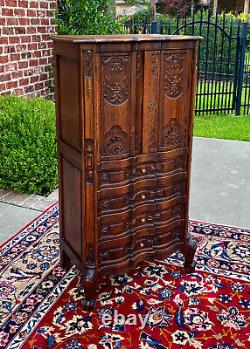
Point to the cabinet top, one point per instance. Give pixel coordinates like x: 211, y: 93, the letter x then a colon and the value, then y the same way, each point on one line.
x: 122, y: 38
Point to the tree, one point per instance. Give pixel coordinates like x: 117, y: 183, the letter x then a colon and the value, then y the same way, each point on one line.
x: 172, y: 7
x: 86, y: 17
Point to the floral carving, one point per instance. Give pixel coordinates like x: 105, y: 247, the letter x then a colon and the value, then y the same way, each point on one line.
x: 174, y: 74
x: 88, y: 64
x: 155, y: 64
x: 171, y: 134
x: 152, y: 145
x: 116, y: 81
x: 139, y: 63
x: 116, y: 142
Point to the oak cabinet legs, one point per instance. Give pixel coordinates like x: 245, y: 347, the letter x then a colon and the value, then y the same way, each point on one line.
x: 189, y: 252
x: 90, y: 284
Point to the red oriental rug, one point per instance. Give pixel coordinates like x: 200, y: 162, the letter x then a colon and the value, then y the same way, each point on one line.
x: 159, y: 305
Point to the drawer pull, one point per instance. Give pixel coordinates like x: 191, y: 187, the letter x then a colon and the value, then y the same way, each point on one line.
x: 143, y: 220
x: 141, y: 244
x: 143, y: 170
x: 143, y: 197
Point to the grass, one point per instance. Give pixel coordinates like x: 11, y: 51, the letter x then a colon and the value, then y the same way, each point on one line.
x: 223, y: 126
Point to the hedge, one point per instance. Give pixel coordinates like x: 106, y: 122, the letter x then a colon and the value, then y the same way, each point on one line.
x: 28, y: 160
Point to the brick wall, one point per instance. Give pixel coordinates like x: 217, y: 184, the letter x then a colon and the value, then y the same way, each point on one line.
x: 25, y: 47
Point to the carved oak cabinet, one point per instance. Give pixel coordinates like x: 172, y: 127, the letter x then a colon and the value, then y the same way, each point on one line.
x: 124, y: 124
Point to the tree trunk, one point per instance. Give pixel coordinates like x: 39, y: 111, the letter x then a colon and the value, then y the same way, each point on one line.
x: 111, y: 8
x: 246, y: 6
x: 215, y: 7
x: 153, y: 10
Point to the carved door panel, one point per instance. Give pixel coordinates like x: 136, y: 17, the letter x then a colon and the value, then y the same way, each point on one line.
x: 175, y: 90
x: 115, y: 118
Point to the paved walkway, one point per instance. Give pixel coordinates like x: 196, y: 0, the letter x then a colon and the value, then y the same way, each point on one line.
x: 220, y: 189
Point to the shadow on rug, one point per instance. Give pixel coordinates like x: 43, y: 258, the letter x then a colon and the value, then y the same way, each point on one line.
x: 157, y: 306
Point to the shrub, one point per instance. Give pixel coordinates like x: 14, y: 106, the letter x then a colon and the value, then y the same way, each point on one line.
x: 28, y: 161
x: 86, y: 17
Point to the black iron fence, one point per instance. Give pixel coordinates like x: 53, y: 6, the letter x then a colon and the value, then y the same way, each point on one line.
x: 224, y: 57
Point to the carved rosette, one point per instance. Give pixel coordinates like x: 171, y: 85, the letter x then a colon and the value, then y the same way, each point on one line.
x: 171, y: 134
x: 116, y: 142
x: 116, y: 81
x: 174, y: 74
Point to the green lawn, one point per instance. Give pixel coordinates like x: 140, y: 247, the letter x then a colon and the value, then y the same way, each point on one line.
x: 223, y: 126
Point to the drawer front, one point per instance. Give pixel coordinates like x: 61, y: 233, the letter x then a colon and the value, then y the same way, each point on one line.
x: 114, y: 250
x: 141, y: 192
x: 141, y: 167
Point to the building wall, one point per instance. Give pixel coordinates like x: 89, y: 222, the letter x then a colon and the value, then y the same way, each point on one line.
x: 26, y: 47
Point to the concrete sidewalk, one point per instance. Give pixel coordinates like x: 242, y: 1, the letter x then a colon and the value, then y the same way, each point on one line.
x: 220, y: 182
x: 220, y: 188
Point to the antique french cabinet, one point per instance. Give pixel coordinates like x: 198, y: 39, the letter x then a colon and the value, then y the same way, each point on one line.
x: 124, y: 123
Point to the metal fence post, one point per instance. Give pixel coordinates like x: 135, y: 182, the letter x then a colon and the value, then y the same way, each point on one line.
x: 241, y: 67
x: 154, y: 27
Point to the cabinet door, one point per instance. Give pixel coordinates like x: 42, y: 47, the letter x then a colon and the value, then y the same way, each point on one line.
x: 115, y: 119
x: 175, y: 102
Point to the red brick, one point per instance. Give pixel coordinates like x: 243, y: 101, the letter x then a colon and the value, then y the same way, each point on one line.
x: 17, y: 74
x: 2, y: 87
x: 34, y: 21
x: 11, y: 3
x: 37, y: 54
x: 31, y: 13
x: 29, y: 88
x: 20, y: 30
x: 31, y: 30
x: 21, y: 48
x: 8, y: 31
x: 44, y: 4
x: 33, y: 46
x: 15, y: 57
x: 34, y: 4
x: 3, y: 40
x: 11, y: 84
x: 14, y: 39
x: 29, y: 72
x: 23, y: 3
x: 11, y: 67
x: 33, y: 62
x: 11, y: 21
x: 7, y: 12
x: 19, y: 12
x: 2, y: 21
x: 19, y: 91
x: 34, y: 79
x: 23, y: 21
x: 23, y: 65
x: 5, y: 77
x: 23, y: 81
x: 3, y: 59
x: 25, y: 38
x: 45, y: 37
x: 36, y: 38
x: 43, y: 61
